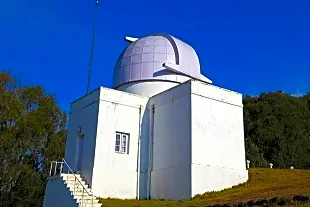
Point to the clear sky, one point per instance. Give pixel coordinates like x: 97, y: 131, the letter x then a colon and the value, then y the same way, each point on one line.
x: 249, y: 46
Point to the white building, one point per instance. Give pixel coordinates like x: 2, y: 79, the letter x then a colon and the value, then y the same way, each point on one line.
x: 163, y: 132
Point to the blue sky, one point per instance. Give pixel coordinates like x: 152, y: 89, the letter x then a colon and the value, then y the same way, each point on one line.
x: 248, y: 46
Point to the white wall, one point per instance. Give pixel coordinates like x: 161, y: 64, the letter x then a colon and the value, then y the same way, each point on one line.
x: 147, y: 88
x: 114, y: 174
x: 198, y: 141
x: 84, y: 113
x: 218, y: 153
x: 144, y: 154
x: 57, y: 194
x: 171, y: 172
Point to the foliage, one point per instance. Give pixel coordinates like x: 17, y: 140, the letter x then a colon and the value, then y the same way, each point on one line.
x: 263, y: 183
x: 277, y: 130
x: 32, y: 132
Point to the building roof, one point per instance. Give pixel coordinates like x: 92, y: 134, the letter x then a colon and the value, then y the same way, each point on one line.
x: 157, y: 57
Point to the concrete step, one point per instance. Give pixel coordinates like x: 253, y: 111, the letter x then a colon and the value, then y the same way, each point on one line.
x: 79, y: 197
x: 71, y: 178
x: 73, y: 186
x: 90, y: 205
x: 75, y: 182
x: 80, y: 193
x: 65, y: 175
x: 90, y: 201
x: 79, y: 189
x: 72, y: 182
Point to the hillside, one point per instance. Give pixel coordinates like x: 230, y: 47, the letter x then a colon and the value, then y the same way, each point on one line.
x: 263, y: 183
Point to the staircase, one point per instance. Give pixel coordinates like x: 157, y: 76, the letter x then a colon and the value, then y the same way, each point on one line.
x: 75, y: 184
x: 79, y: 190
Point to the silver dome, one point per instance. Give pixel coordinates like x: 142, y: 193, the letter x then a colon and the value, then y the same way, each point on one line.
x: 157, y: 57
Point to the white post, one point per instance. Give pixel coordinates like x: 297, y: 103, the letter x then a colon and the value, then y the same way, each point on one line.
x: 61, y: 167
x: 270, y: 165
x: 55, y: 172
x: 248, y: 163
x: 51, y: 168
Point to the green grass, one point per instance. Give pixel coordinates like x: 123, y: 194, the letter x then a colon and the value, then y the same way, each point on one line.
x: 263, y: 183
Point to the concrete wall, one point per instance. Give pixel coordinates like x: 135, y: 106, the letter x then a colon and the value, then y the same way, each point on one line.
x: 115, y: 174
x: 198, y: 141
x: 84, y: 113
x: 171, y: 172
x: 191, y: 144
x: 144, y: 154
x: 57, y: 194
x: 147, y: 88
x: 218, y: 152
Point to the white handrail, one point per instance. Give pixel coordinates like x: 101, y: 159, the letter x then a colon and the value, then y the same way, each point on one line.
x: 75, y: 177
x: 89, y: 193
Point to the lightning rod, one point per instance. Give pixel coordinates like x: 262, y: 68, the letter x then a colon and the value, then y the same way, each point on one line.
x: 92, y: 48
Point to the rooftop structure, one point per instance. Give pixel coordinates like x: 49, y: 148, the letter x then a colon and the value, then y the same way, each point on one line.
x: 158, y: 58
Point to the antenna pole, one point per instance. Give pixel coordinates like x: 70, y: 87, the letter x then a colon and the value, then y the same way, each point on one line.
x: 92, y: 48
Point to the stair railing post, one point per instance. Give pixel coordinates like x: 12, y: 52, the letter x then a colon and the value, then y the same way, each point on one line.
x: 61, y: 167
x: 51, y: 168
x: 83, y: 197
x: 55, y: 167
x: 74, y: 186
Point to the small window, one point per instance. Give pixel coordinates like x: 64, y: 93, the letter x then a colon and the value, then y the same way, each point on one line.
x: 117, y: 142
x: 121, y: 143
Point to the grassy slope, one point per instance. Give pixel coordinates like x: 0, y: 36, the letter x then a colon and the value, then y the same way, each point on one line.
x: 263, y: 183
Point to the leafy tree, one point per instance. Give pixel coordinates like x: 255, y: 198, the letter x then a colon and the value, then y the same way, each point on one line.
x: 277, y: 129
x: 32, y: 133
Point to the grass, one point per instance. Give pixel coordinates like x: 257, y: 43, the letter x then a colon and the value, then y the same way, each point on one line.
x: 263, y: 183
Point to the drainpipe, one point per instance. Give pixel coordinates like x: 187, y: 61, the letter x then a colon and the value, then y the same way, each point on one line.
x: 151, y: 140
x: 138, y: 153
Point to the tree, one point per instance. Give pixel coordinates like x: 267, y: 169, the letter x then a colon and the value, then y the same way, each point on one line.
x: 277, y: 129
x: 32, y: 133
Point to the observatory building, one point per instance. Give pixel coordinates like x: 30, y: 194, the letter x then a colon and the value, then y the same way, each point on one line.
x: 163, y: 131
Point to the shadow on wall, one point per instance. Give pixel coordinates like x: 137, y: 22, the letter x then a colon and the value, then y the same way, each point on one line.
x: 163, y: 72
x: 142, y: 185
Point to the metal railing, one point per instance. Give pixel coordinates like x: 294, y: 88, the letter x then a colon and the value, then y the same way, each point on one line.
x: 57, y: 168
